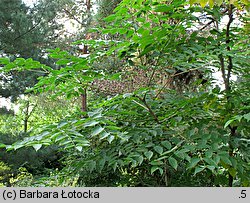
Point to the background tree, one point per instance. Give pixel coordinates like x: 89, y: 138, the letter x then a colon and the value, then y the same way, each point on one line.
x: 185, y: 130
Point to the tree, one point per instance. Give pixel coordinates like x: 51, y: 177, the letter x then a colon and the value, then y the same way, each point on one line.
x: 169, y: 133
x: 27, y: 33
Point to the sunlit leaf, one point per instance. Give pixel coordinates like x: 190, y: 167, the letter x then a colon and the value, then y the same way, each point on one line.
x: 37, y: 146
x: 97, y: 130
x: 91, y: 123
x: 79, y: 148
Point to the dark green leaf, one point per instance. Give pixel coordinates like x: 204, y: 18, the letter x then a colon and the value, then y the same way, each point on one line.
x: 226, y: 160
x: 166, y: 144
x: 148, y: 154
x: 193, y: 162
x: 198, y: 169
x: 172, y: 161
x: 158, y: 149
x: 155, y: 168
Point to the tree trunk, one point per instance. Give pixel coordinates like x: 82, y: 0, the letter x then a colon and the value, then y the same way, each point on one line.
x: 85, y: 51
x: 84, y: 100
x: 26, y: 117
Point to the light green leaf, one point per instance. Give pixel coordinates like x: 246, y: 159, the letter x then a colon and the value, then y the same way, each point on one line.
x: 97, y: 130
x: 229, y: 122
x: 60, y: 125
x: 211, y: 3
x: 134, y: 163
x: 115, y: 166
x: 104, y: 134
x: 192, y: 2
x: 113, y: 127
x: 111, y: 138
x: 115, y: 76
x: 217, y: 159
x: 232, y: 171
x: 9, y: 147
x: 110, y: 18
x: 218, y: 2
x: 4, y: 61
x: 17, y: 146
x: 60, y: 138
x: 96, y: 113
x: 37, y: 146
x: 79, y: 148
x: 209, y: 153
x: 180, y: 154
x: 83, y: 143
x: 247, y: 117
x: 153, y: 132
x: 62, y: 62
x: 163, y: 8
x: 91, y: 165
x: 90, y: 123
x: 203, y: 3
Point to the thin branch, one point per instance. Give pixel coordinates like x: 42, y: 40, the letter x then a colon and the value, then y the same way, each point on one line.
x: 31, y: 29
x: 72, y: 16
x: 230, y: 62
x: 209, y: 23
x: 148, y: 108
x: 171, y: 76
x: 223, y: 71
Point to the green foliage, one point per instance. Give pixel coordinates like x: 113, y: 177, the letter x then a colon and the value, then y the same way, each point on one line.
x: 184, y: 131
x: 26, y: 32
x: 57, y: 179
x: 4, y: 174
x: 23, y: 179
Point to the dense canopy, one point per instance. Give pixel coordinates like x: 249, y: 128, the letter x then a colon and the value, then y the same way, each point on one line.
x: 129, y: 93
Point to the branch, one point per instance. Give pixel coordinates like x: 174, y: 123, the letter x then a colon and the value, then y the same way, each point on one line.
x: 209, y: 23
x: 72, y: 16
x: 31, y: 29
x: 223, y: 71
x: 147, y: 107
x: 171, y: 76
x: 230, y: 61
